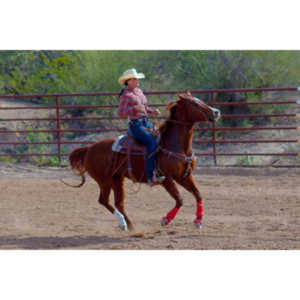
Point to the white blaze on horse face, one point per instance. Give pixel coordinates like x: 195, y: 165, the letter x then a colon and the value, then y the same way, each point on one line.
x: 121, y: 218
x: 216, y: 112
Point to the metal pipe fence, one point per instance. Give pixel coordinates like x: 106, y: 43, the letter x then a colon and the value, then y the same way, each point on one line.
x: 58, y: 129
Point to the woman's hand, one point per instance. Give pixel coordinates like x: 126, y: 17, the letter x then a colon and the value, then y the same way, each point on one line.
x: 156, y: 112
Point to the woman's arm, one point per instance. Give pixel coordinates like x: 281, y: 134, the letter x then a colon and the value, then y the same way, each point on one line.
x: 152, y: 111
x: 124, y: 109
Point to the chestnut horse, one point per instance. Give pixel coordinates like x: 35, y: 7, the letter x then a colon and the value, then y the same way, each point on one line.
x: 175, y: 160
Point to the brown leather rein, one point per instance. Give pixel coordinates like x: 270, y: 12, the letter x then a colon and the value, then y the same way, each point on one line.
x: 188, y: 159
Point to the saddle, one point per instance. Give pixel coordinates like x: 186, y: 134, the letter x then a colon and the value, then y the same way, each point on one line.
x: 128, y: 145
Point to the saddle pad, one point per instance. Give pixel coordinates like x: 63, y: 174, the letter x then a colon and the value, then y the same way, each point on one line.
x: 124, y: 143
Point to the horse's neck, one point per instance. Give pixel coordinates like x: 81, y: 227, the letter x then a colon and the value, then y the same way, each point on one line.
x: 178, y: 138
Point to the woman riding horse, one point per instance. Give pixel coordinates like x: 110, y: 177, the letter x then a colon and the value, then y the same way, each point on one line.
x: 175, y: 161
x: 133, y: 104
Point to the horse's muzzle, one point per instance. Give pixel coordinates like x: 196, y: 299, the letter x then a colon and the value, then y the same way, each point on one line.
x: 216, y: 114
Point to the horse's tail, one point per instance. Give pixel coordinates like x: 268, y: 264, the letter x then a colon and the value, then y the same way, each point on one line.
x: 76, y: 159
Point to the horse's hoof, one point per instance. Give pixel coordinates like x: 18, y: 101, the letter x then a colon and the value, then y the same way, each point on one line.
x: 164, y: 221
x: 124, y: 227
x: 198, y: 223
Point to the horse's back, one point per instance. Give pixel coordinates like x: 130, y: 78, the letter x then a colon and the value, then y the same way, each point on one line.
x: 99, y: 153
x: 104, y: 144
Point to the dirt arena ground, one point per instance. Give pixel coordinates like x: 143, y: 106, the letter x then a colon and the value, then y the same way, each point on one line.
x: 244, y: 209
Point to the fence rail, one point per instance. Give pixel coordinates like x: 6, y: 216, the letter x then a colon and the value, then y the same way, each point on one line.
x: 59, y: 130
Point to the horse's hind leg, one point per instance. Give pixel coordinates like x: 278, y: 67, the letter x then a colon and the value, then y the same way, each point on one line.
x: 171, y: 187
x: 104, y: 200
x: 189, y: 184
x: 104, y: 197
x: 118, y: 188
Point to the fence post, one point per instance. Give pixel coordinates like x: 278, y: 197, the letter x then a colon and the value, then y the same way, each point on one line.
x: 212, y: 96
x: 58, y: 128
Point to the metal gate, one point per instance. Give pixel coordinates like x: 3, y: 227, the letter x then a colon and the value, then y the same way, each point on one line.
x: 212, y: 152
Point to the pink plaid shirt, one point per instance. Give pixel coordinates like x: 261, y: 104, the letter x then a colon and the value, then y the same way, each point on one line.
x: 128, y: 100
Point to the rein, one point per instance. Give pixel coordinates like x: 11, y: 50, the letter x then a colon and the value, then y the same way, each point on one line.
x: 188, y: 159
x: 188, y: 123
x: 180, y: 122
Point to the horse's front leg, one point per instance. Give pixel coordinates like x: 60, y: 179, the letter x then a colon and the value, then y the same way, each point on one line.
x: 171, y: 187
x: 189, y: 184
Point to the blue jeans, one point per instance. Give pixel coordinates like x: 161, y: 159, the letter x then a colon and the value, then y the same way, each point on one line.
x: 137, y: 128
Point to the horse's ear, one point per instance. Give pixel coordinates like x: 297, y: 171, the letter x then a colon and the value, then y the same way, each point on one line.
x: 180, y: 96
x: 171, y: 105
x: 187, y: 91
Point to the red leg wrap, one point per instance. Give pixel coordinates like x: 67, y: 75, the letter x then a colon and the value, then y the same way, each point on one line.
x: 199, y: 213
x: 171, y: 215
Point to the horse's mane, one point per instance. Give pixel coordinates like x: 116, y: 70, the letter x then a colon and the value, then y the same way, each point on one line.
x: 171, y: 108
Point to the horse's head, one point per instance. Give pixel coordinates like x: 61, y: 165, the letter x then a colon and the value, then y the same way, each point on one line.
x: 192, y: 109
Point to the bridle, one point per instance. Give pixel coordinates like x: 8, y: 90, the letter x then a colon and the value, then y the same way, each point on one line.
x: 187, y: 159
x: 188, y: 123
x: 180, y: 122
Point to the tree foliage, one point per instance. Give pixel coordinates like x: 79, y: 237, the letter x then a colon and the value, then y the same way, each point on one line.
x: 43, y: 71
x: 237, y: 69
x: 38, y: 72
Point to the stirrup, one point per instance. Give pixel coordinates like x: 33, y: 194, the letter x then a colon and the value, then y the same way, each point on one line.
x: 159, y: 179
x: 156, y: 180
x: 150, y: 182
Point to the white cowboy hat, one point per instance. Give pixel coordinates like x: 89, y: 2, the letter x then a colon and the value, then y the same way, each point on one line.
x: 131, y: 73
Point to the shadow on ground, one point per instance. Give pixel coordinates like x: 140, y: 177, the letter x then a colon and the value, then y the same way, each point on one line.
x: 43, y: 243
